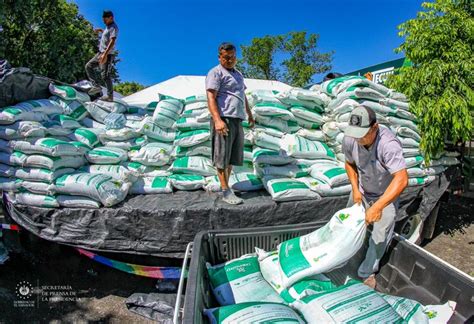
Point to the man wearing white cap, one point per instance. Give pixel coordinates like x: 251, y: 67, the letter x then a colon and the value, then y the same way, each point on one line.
x: 377, y: 172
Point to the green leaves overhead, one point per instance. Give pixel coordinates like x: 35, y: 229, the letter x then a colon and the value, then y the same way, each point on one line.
x: 49, y: 37
x: 292, y: 58
x: 440, y: 83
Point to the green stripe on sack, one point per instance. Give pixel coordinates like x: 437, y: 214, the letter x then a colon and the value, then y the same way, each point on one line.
x: 334, y: 172
x: 192, y: 133
x: 271, y: 104
x: 70, y: 92
x: 234, y: 270
x: 350, y: 300
x: 181, y: 162
x: 159, y: 182
x: 87, y: 134
x: 78, y: 112
x: 100, y: 183
x: 186, y: 177
x: 297, y: 262
x: 103, y: 153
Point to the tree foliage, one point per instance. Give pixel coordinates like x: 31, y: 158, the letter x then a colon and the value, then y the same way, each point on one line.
x: 128, y: 88
x: 292, y: 58
x: 439, y: 84
x: 49, y: 37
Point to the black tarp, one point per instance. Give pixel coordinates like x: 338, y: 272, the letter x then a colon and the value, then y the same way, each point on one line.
x: 162, y: 225
x: 20, y: 84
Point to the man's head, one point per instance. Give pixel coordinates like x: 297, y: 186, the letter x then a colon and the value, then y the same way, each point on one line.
x: 362, y: 125
x: 227, y: 55
x: 332, y: 75
x: 108, y: 17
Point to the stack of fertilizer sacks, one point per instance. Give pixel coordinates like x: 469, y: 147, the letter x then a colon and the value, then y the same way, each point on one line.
x: 45, y: 148
x: 302, y: 281
x: 392, y: 110
x: 289, y: 151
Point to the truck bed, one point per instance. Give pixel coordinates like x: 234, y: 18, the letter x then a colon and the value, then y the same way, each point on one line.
x: 406, y: 270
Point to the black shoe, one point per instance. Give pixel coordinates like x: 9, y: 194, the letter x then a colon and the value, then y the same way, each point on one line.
x: 94, y: 91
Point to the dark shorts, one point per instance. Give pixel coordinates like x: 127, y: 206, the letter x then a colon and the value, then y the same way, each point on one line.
x: 228, y: 150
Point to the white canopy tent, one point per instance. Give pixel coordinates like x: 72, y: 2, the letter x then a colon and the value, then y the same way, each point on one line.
x: 183, y: 86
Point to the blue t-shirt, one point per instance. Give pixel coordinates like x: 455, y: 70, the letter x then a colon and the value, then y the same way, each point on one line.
x: 230, y: 88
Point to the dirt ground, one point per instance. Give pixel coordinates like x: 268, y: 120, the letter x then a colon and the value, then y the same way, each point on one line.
x: 453, y: 239
x: 100, y: 292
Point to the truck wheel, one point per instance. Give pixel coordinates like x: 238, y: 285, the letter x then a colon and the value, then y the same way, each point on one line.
x: 412, y: 228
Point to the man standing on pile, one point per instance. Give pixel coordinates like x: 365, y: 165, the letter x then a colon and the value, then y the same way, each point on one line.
x: 104, y: 59
x: 377, y: 172
x: 227, y: 104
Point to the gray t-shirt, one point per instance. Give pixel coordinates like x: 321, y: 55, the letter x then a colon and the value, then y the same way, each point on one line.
x: 230, y: 88
x: 377, y: 164
x: 109, y: 32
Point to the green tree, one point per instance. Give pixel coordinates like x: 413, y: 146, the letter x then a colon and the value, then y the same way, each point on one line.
x: 292, y: 58
x: 49, y: 37
x: 128, y: 88
x: 439, y: 84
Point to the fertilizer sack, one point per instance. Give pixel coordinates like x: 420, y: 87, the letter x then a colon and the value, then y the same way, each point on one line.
x: 47, y: 146
x: 351, y: 303
x: 68, y: 93
x: 330, y: 173
x: 203, y: 149
x: 106, y: 155
x: 300, y: 147
x: 40, y: 188
x: 193, y: 165
x: 324, y: 249
x: 253, y: 312
x: 31, y: 199
x: 262, y: 139
x: 22, y: 129
x: 140, y: 170
x: 324, y: 189
x: 192, y: 138
x: 240, y: 281
x: 10, y: 184
x: 156, y: 185
x: 187, y: 182
x: 244, y: 181
x: 118, y: 172
x: 286, y: 171
x: 95, y: 186
x: 41, y: 175
x: 73, y: 108
x: 77, y: 202
x: 272, y: 157
x: 186, y: 124
x: 272, y: 109
x: 150, y: 129
x: 54, y: 163
x: 87, y: 136
x: 14, y: 159
x: 269, y: 267
x: 286, y: 189
x: 152, y: 154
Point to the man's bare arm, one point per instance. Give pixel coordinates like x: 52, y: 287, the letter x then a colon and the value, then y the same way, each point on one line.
x: 219, y: 124
x: 353, y: 176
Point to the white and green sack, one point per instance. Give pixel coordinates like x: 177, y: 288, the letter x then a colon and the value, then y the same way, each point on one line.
x: 287, y: 189
x: 324, y: 249
x: 106, y: 155
x: 95, y: 186
x: 300, y: 147
x: 193, y: 165
x: 155, y: 185
x: 240, y: 281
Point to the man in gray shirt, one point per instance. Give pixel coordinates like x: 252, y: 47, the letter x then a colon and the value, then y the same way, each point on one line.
x: 228, y: 105
x: 104, y: 59
x: 377, y: 172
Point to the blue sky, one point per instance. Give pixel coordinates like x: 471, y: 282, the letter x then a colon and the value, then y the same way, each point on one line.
x: 163, y: 38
